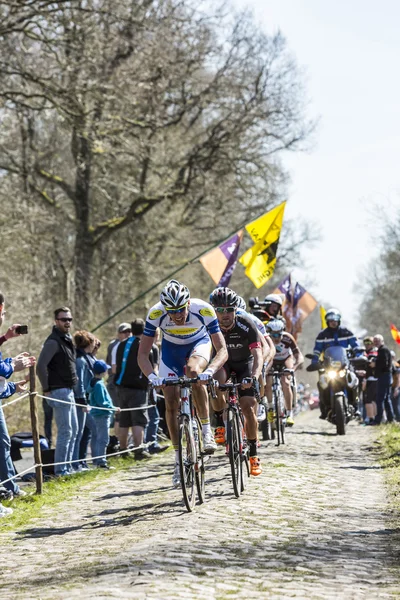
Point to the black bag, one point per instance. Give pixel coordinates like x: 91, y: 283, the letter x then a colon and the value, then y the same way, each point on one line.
x: 48, y: 457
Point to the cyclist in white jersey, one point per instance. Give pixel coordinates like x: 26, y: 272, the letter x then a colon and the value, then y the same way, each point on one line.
x: 190, y: 328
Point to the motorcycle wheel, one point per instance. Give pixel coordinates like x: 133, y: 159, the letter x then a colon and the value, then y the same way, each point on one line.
x: 340, y: 414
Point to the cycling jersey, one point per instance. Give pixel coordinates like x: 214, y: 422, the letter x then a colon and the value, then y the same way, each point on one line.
x: 200, y: 323
x: 259, y: 324
x: 285, y: 348
x: 241, y: 339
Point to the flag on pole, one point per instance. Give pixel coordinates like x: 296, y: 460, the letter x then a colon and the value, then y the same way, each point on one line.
x: 260, y: 259
x: 303, y: 305
x: 221, y: 261
x: 285, y: 287
x: 322, y: 313
x: 395, y: 333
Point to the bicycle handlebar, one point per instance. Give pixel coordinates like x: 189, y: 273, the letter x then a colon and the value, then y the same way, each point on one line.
x: 281, y: 372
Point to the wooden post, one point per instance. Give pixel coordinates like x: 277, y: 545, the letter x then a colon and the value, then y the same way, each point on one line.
x: 35, y: 430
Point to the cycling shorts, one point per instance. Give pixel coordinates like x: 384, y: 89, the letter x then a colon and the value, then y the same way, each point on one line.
x: 175, y: 356
x: 241, y: 370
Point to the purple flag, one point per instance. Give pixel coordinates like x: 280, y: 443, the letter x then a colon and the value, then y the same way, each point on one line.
x: 231, y: 250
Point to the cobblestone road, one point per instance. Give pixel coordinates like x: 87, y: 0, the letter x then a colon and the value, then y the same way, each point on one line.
x: 313, y: 525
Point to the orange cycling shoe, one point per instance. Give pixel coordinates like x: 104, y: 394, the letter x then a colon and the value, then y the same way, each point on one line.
x: 219, y: 435
x: 255, y: 466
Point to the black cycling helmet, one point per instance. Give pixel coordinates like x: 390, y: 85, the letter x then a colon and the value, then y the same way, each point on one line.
x: 333, y: 315
x: 223, y: 296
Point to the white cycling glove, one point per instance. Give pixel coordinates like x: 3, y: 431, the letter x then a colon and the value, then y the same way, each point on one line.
x: 206, y: 376
x: 155, y: 380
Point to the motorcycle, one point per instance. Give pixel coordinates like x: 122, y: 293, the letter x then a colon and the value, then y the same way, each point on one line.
x: 336, y: 375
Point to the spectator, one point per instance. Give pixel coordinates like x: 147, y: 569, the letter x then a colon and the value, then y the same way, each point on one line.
x: 132, y: 391
x: 84, y: 343
x: 383, y: 373
x: 123, y: 332
x: 395, y: 386
x: 153, y: 414
x: 7, y: 367
x: 99, y: 397
x: 369, y: 396
x: 56, y: 370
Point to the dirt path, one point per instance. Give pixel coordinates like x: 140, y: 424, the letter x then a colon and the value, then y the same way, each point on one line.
x: 313, y: 525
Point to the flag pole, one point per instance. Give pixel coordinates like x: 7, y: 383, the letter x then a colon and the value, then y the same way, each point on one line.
x: 182, y: 266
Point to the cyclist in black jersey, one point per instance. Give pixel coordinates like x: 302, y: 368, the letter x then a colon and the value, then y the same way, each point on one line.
x: 245, y: 359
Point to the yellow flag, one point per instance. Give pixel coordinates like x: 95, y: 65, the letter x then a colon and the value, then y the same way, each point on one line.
x: 260, y: 259
x: 322, y: 312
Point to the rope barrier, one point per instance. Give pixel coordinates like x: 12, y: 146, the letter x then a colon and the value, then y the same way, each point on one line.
x: 115, y: 408
x: 70, y: 462
x: 15, y: 400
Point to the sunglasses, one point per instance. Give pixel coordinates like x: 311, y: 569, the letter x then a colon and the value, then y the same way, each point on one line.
x: 65, y: 319
x: 174, y: 311
x: 276, y: 335
x: 225, y: 309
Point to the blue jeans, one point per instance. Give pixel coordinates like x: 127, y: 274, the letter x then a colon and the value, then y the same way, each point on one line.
x: 67, y: 428
x: 383, y: 400
x: 100, y: 438
x: 7, y: 469
x: 48, y: 420
x: 81, y: 416
x: 154, y: 419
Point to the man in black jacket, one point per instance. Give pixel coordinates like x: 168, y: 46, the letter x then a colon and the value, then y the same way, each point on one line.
x: 383, y: 373
x: 56, y: 369
x: 132, y: 390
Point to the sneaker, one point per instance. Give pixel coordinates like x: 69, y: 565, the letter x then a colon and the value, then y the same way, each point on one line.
x: 261, y: 414
x: 176, y: 477
x: 19, y: 494
x: 156, y: 449
x: 289, y: 421
x: 220, y: 435
x: 141, y: 454
x: 5, y: 511
x: 209, y: 443
x: 255, y: 466
x: 105, y: 467
x: 5, y: 494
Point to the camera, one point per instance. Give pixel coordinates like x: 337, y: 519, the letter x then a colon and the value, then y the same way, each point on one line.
x: 22, y: 329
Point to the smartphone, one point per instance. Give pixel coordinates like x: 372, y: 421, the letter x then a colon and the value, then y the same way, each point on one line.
x: 22, y: 329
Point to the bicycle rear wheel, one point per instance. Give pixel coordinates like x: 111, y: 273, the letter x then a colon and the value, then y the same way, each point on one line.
x: 199, y: 466
x: 277, y: 419
x: 187, y: 455
x: 234, y: 450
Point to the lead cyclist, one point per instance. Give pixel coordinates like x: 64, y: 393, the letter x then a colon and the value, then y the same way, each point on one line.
x: 190, y: 328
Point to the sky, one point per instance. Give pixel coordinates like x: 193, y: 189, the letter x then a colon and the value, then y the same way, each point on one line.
x: 350, y: 52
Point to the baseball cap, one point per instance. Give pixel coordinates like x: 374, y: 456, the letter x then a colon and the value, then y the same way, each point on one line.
x: 100, y: 366
x: 122, y: 327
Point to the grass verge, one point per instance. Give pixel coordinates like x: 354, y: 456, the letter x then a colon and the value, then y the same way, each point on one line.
x: 57, y: 490
x: 389, y: 457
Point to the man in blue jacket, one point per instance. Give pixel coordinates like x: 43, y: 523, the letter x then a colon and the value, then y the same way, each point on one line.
x: 333, y: 335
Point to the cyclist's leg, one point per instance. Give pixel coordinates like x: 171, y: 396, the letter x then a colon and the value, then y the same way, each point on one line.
x: 248, y: 405
x: 286, y: 382
x: 219, y: 405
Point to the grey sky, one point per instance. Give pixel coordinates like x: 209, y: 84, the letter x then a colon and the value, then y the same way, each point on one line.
x: 351, y: 53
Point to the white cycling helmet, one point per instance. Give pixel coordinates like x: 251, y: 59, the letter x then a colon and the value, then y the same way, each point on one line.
x: 275, y: 326
x: 174, y: 295
x: 241, y: 303
x: 274, y: 298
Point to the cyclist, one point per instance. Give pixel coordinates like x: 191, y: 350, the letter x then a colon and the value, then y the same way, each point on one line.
x: 287, y: 356
x: 190, y: 328
x: 244, y: 359
x: 334, y: 335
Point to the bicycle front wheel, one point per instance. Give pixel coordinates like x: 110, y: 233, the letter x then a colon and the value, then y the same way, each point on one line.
x: 245, y: 467
x: 234, y: 450
x: 199, y: 466
x: 187, y: 456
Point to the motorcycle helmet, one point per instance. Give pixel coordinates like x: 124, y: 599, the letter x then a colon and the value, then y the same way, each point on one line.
x: 223, y: 296
x: 174, y: 295
x: 273, y: 298
x: 333, y: 315
x: 241, y: 303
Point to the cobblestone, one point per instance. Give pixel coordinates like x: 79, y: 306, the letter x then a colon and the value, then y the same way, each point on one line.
x: 314, y: 525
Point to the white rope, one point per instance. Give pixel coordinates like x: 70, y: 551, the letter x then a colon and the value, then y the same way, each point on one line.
x: 115, y: 408
x: 15, y: 400
x: 70, y: 462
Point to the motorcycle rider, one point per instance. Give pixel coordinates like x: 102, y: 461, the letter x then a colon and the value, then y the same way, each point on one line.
x: 334, y: 335
x: 273, y: 305
x: 371, y: 381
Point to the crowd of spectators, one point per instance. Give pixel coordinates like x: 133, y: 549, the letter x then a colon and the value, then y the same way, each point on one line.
x: 77, y: 398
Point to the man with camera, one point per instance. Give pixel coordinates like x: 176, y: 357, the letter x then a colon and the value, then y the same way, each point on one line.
x: 7, y: 367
